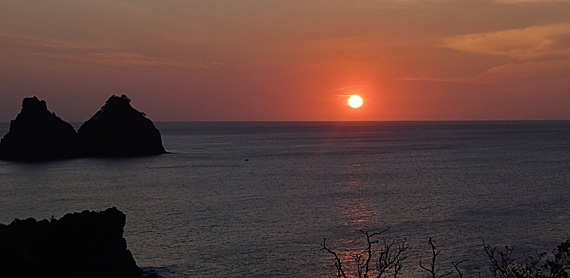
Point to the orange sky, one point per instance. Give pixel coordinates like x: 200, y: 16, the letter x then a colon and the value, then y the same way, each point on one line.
x: 269, y: 60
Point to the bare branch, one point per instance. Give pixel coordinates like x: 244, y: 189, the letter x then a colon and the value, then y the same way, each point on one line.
x: 338, y: 262
x: 456, y: 267
x: 433, y: 269
x: 390, y: 256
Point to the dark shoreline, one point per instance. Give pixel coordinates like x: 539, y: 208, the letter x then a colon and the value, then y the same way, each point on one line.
x: 86, y: 244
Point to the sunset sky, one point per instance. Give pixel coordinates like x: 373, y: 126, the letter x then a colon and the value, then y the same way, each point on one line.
x: 266, y: 60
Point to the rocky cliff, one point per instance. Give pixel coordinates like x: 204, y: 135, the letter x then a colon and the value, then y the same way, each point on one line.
x: 38, y: 134
x: 86, y: 244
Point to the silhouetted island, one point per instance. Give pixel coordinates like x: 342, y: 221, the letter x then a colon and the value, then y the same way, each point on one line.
x: 86, y: 244
x: 38, y: 134
x: 117, y: 130
x: 120, y: 130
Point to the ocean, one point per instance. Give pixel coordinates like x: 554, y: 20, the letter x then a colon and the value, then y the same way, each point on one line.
x: 256, y: 199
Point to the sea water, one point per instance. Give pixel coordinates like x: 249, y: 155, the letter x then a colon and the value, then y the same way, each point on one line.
x: 257, y: 199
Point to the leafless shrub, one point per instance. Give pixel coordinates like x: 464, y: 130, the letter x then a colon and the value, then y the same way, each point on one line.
x: 387, y: 257
x: 555, y: 264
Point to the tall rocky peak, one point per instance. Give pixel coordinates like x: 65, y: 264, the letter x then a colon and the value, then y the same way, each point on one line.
x: 38, y: 134
x: 32, y: 107
x: 34, y: 112
x: 120, y: 130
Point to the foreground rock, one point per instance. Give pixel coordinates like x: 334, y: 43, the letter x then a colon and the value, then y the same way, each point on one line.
x: 38, y: 134
x: 120, y: 130
x: 86, y: 244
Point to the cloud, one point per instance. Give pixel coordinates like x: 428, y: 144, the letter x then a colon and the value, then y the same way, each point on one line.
x: 530, y: 71
x: 41, y: 42
x: 350, y: 88
x: 524, y: 44
x: 110, y: 58
x: 125, y: 59
x: 90, y: 53
x: 347, y: 43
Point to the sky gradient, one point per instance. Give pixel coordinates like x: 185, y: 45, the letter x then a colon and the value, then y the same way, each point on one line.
x: 265, y: 60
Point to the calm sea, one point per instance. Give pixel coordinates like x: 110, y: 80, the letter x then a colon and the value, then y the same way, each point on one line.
x: 257, y: 199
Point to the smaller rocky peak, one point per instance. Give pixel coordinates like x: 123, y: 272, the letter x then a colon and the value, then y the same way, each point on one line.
x: 116, y: 103
x: 117, y: 107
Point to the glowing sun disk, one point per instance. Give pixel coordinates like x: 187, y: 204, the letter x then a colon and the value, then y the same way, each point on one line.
x: 355, y: 101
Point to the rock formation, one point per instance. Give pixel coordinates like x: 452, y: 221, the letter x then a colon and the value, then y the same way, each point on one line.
x: 38, y: 134
x: 117, y: 130
x: 86, y: 244
x: 120, y: 130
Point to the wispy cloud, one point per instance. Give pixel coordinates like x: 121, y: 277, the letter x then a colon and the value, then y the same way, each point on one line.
x: 524, y: 44
x: 350, y: 88
x: 36, y: 41
x: 530, y: 71
x: 110, y: 58
x: 346, y: 43
x: 99, y: 53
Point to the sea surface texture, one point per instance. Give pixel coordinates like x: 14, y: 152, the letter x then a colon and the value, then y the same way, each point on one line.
x: 257, y: 199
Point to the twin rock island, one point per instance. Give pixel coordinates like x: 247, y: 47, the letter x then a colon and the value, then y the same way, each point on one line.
x: 117, y: 130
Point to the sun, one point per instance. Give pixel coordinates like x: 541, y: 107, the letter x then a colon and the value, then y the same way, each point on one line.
x: 355, y: 101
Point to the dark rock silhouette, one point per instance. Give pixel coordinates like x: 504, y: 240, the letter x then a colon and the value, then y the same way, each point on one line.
x: 86, y: 244
x: 120, y: 130
x: 38, y: 134
x: 117, y: 130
